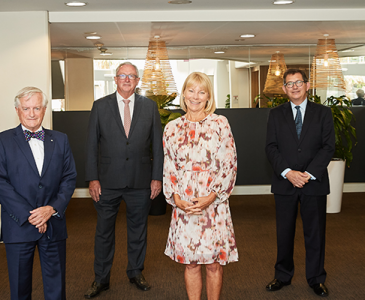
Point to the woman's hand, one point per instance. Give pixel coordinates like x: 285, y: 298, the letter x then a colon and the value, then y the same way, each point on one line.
x: 200, y: 204
x: 183, y: 205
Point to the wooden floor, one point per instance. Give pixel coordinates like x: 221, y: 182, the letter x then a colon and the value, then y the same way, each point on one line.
x: 254, y: 223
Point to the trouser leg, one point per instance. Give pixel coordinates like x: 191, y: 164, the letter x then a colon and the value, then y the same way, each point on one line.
x: 107, y: 211
x: 52, y: 256
x: 313, y: 212
x: 286, y: 215
x: 138, y: 204
x: 20, y: 265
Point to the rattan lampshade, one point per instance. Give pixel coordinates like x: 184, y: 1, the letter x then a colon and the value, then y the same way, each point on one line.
x: 157, y: 75
x: 326, y: 71
x: 274, y: 79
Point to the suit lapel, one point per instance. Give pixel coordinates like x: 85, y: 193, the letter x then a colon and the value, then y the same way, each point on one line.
x: 288, y: 114
x: 113, y: 103
x: 48, y: 150
x: 136, y: 111
x: 25, y: 148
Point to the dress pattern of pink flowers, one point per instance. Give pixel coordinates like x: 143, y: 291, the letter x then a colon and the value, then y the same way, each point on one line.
x: 200, y: 158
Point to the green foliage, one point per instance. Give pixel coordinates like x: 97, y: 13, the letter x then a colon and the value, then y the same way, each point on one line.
x: 228, y: 101
x: 343, y: 119
x: 272, y: 101
x: 164, y: 103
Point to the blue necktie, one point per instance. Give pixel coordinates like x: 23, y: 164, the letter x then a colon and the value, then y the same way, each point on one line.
x: 298, y: 121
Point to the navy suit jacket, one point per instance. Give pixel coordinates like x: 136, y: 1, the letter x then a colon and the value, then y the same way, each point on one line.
x: 22, y: 189
x: 311, y: 153
x: 117, y: 161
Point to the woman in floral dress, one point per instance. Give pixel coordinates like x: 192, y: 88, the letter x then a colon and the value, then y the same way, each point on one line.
x: 199, y: 175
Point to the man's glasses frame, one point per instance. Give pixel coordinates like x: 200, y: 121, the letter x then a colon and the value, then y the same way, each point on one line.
x: 298, y: 83
x: 124, y: 76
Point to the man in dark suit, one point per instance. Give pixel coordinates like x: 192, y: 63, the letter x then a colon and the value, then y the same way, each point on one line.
x: 360, y: 98
x: 124, y: 135
x: 37, y: 180
x: 300, y: 144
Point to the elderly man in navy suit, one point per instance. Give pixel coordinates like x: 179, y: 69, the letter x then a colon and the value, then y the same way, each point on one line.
x: 124, y: 134
x: 37, y: 180
x: 299, y: 145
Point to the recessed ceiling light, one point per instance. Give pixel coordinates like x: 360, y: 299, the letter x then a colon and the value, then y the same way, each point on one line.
x: 247, y: 36
x: 179, y: 2
x: 76, y: 3
x: 93, y: 37
x: 348, y: 50
x: 282, y: 2
x: 103, y: 52
x: 219, y: 52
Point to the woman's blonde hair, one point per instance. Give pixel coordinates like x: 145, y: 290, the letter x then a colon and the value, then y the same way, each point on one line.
x: 201, y: 79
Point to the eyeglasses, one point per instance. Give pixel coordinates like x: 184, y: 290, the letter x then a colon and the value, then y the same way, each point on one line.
x: 290, y: 84
x: 124, y: 76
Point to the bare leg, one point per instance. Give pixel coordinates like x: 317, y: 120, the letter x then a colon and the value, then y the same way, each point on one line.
x: 193, y: 281
x: 214, y: 280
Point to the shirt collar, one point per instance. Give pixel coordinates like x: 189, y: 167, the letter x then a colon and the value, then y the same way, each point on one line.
x: 302, y: 105
x: 120, y: 98
x: 39, y: 129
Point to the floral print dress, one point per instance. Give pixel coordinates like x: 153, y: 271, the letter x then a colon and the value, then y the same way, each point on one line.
x: 200, y: 158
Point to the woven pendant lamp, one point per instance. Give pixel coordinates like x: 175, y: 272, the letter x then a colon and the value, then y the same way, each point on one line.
x: 274, y: 79
x: 157, y: 76
x: 326, y: 71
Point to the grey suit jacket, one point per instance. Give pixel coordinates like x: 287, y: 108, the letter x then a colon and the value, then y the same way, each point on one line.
x: 117, y: 161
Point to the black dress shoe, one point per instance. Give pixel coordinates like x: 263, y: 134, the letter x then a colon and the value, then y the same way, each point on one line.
x: 276, y: 285
x: 140, y: 282
x: 96, y: 289
x: 320, y: 289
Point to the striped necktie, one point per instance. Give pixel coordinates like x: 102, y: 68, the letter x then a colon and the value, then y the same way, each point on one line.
x: 298, y: 121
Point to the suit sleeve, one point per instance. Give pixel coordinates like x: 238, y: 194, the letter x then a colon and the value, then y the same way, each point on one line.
x: 68, y: 182
x: 319, y: 163
x: 157, y: 149
x: 92, y: 143
x: 14, y: 204
x: 277, y: 161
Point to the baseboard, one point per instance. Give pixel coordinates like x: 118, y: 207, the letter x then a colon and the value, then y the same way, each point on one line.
x: 357, y: 187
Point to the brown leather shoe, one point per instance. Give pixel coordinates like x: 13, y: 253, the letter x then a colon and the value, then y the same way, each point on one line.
x: 320, y: 289
x: 276, y: 285
x: 96, y: 289
x: 140, y: 282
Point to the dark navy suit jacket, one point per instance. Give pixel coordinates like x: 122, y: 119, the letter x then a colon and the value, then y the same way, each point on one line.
x: 22, y: 189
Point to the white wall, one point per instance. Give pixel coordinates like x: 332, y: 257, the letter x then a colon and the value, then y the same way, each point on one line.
x: 25, y: 60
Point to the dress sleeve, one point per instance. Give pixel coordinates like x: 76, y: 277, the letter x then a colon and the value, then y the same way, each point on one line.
x: 170, y: 174
x: 226, y: 162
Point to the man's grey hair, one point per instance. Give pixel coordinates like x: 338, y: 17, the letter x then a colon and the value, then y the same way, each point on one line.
x: 360, y: 93
x: 126, y: 63
x: 27, y: 93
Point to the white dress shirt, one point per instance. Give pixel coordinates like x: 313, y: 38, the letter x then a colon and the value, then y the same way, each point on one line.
x: 37, y: 147
x: 121, y: 105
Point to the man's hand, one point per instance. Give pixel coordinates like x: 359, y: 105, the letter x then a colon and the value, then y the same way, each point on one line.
x: 298, y: 179
x: 156, y: 186
x: 43, y: 228
x: 200, y: 204
x: 38, y: 217
x: 95, y: 190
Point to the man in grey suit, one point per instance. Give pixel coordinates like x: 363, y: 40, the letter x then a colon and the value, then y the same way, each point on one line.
x: 124, y: 161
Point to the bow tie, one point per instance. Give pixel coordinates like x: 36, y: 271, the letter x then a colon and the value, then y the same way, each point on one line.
x: 37, y: 135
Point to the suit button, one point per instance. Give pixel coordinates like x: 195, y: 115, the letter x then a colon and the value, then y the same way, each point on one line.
x: 127, y: 158
x: 40, y: 186
x: 127, y: 143
x: 299, y: 150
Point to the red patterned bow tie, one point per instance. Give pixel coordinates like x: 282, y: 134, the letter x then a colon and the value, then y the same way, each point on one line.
x: 37, y: 135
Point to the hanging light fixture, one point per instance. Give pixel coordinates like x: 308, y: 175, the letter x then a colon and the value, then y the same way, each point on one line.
x: 326, y: 71
x: 274, y: 79
x: 157, y: 76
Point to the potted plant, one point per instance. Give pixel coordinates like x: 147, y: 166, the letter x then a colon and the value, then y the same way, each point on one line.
x: 272, y: 101
x: 345, y: 139
x: 164, y: 104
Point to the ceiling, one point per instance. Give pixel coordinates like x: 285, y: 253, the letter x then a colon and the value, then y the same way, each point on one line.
x: 199, y: 29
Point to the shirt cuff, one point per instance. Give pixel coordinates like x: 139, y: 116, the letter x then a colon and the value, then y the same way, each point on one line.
x: 312, y: 177
x: 285, y: 172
